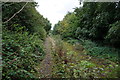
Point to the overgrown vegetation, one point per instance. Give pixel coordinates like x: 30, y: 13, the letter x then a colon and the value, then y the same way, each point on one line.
x: 23, y: 38
x: 97, y: 50
x: 94, y: 30
x: 73, y: 63
x: 21, y: 52
x: 95, y: 26
x: 87, y: 42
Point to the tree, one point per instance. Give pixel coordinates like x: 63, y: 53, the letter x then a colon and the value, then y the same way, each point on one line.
x: 28, y: 17
x: 92, y: 21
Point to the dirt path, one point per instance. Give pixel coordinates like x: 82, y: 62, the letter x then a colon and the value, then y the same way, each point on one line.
x: 47, y: 63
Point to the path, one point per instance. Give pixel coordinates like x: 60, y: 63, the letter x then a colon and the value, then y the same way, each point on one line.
x: 47, y: 63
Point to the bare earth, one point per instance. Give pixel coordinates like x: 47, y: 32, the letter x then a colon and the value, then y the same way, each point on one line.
x: 47, y: 63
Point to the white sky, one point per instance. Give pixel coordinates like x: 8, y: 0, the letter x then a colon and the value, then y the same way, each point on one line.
x: 55, y: 10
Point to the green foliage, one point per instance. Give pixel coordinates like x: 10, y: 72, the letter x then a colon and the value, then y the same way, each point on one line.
x: 97, y: 50
x: 96, y: 28
x: 23, y: 39
x: 113, y: 35
x: 66, y: 27
x: 73, y: 41
x: 73, y: 64
x: 47, y: 26
x: 21, y: 52
x: 101, y: 51
x: 94, y: 21
x: 29, y: 17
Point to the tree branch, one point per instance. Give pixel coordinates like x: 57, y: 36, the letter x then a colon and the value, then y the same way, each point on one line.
x: 16, y: 13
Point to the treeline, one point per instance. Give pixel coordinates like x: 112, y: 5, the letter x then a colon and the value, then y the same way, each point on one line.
x: 24, y: 31
x: 95, y: 21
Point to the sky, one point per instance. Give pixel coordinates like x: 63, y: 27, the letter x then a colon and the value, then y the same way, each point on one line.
x: 55, y: 10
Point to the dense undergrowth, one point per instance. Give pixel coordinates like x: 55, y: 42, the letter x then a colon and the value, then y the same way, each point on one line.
x: 95, y: 49
x: 73, y: 63
x: 93, y: 31
x: 21, y: 53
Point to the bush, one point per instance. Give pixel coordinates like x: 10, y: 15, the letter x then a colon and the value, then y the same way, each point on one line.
x: 95, y: 49
x: 113, y: 36
x: 21, y: 52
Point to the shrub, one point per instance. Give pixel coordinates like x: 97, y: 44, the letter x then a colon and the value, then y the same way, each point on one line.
x: 21, y: 52
x: 95, y: 49
x: 113, y: 36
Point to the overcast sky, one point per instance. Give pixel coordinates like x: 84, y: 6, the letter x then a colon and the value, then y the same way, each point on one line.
x: 55, y: 10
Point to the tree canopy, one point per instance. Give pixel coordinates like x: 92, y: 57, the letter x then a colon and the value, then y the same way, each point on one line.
x: 95, y: 21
